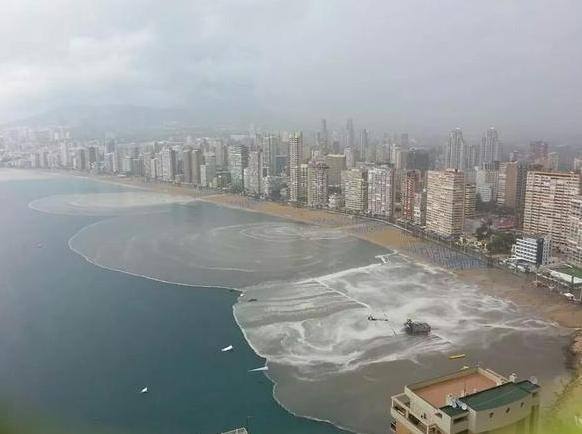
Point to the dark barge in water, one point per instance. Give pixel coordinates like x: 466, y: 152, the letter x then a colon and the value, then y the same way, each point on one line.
x: 416, y: 328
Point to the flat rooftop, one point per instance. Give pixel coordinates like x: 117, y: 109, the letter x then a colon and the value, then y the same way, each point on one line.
x: 436, y: 393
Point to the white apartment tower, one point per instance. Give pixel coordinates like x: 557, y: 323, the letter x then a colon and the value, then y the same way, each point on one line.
x: 355, y: 188
x: 381, y: 192
x: 445, y: 211
x: 317, y: 184
x: 295, y: 161
x: 548, y: 198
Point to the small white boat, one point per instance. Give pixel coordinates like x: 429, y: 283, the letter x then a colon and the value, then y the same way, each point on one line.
x: 226, y: 349
x: 262, y: 368
x: 144, y: 390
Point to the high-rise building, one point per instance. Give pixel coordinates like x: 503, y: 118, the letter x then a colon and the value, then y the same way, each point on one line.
x: 420, y: 208
x: 270, y: 150
x: 350, y: 141
x: 507, y: 185
x: 295, y: 161
x: 350, y: 158
x: 538, y: 150
x: 64, y: 155
x: 411, y: 187
x: 418, y: 159
x: 336, y: 164
x: 168, y: 164
x: 363, y: 150
x: 577, y: 164
x: 254, y: 174
x: 470, y: 200
x: 487, y: 180
x: 381, y: 192
x: 522, y: 170
x: 574, y: 237
x: 196, y: 162
x: 91, y: 155
x: 455, y: 149
x: 323, y: 138
x: 317, y: 184
x: 445, y: 213
x: 355, y: 188
x: 548, y: 204
x: 80, y: 161
x: 490, y: 148
x: 238, y: 158
x: 399, y: 158
x: 553, y: 161
x: 187, y: 165
x: 472, y: 400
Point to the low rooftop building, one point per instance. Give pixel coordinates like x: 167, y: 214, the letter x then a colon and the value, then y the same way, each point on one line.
x: 470, y: 401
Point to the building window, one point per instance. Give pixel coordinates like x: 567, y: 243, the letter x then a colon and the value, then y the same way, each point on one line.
x: 507, y: 410
x: 491, y: 415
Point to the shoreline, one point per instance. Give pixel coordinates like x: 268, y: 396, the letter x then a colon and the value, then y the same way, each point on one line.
x: 496, y: 282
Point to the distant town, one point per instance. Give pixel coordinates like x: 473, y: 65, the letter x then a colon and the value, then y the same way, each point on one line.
x: 520, y: 208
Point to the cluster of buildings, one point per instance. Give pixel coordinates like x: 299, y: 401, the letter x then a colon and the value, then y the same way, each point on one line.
x: 391, y: 179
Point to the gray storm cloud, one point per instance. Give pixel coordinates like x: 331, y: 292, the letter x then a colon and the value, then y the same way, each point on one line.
x: 407, y: 64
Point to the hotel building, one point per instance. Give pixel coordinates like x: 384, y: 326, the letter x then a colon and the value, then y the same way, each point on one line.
x: 471, y: 401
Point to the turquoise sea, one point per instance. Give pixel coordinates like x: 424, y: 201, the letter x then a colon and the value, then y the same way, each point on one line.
x: 78, y: 342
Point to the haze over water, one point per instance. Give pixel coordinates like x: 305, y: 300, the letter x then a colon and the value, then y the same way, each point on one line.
x: 312, y: 290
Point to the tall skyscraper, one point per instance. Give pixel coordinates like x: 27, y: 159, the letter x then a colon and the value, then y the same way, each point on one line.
x: 350, y: 157
x: 418, y: 159
x: 336, y: 164
x: 507, y: 189
x: 455, y: 149
x: 350, y: 134
x: 208, y: 170
x: 295, y: 161
x: 574, y: 237
x: 196, y: 162
x: 487, y: 181
x: 270, y: 151
x: 522, y: 170
x: 187, y: 165
x: 168, y: 164
x: 381, y: 192
x: 253, y: 179
x: 490, y: 148
x: 548, y: 199
x: 363, y: 149
x: 317, y: 184
x: 238, y: 158
x: 445, y: 213
x: 323, y: 138
x: 355, y: 188
x: 412, y: 186
x: 538, y: 150
x: 470, y: 200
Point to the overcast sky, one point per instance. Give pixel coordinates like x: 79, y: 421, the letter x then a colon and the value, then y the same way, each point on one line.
x: 406, y: 65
